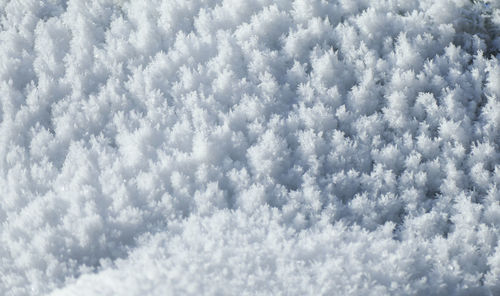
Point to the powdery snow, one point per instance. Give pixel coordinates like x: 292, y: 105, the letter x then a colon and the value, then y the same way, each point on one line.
x: 235, y: 147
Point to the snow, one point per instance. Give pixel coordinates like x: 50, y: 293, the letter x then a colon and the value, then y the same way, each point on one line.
x: 221, y: 147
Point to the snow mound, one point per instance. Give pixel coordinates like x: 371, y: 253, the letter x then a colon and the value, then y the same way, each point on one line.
x: 222, y: 147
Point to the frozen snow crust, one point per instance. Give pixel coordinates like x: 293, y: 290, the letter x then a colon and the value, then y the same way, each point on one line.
x: 249, y: 147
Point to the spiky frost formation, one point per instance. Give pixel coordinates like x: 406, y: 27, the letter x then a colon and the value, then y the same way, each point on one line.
x: 249, y: 147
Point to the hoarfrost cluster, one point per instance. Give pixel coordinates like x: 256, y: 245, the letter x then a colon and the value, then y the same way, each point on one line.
x: 224, y: 147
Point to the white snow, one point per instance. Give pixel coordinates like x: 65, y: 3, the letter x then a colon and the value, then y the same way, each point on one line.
x: 235, y: 147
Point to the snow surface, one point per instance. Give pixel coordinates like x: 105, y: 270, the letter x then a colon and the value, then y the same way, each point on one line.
x: 235, y: 147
